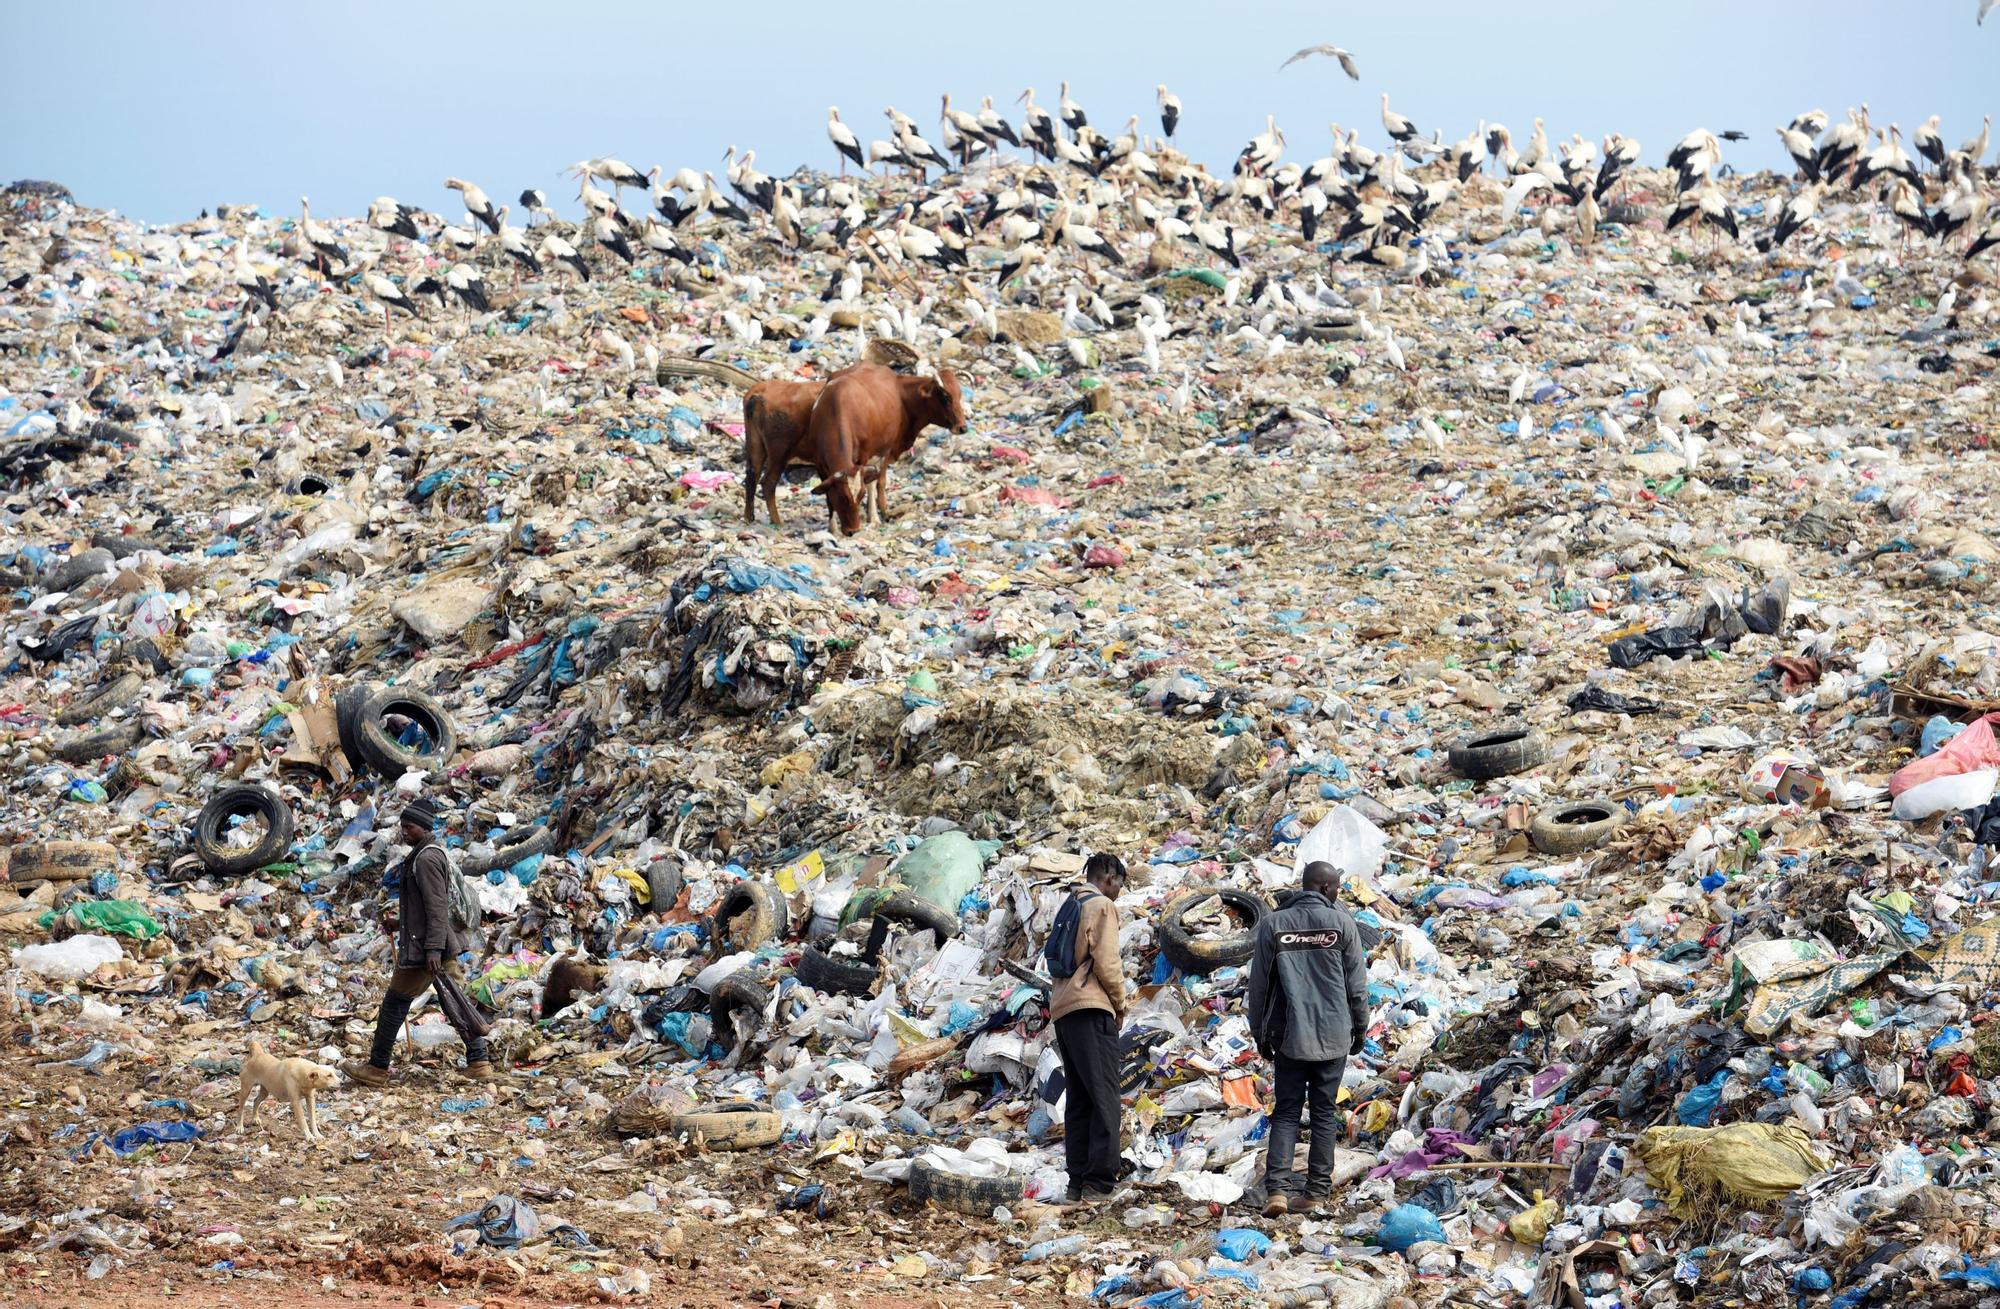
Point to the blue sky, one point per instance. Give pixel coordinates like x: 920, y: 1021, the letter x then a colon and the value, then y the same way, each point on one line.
x: 161, y: 109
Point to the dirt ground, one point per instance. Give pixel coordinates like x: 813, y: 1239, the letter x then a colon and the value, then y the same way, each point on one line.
x: 260, y: 1216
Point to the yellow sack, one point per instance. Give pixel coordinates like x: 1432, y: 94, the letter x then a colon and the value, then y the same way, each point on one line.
x: 1755, y: 1164
x: 642, y: 890
x: 1531, y: 1225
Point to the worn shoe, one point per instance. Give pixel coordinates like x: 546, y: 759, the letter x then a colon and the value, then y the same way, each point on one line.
x: 478, y: 1071
x: 1277, y: 1206
x: 363, y: 1073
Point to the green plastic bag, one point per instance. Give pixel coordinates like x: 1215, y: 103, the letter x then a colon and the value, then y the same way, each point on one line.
x: 124, y: 917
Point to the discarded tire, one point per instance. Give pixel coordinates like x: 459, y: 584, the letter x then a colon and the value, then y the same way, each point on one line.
x: 736, y: 1125
x: 1189, y: 955
x: 1499, y: 754
x: 751, y: 914
x: 97, y: 745
x: 114, y: 694
x: 664, y: 881
x: 977, y: 1196
x: 1573, y: 827
x: 740, y: 990
x: 832, y: 974
x: 511, y: 848
x: 347, y: 708
x: 381, y: 749
x: 915, y: 911
x: 211, y: 830
x: 56, y: 861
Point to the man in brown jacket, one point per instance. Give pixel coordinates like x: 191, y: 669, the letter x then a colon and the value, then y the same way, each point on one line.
x: 1088, y: 1008
x: 427, y: 948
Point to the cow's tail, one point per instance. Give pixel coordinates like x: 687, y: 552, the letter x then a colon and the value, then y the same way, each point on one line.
x: 753, y: 453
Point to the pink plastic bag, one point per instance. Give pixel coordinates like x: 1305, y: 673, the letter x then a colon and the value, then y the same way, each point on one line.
x: 1969, y: 751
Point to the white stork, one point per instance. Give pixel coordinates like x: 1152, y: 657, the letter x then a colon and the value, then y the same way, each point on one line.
x: 476, y: 202
x: 1170, y: 109
x: 843, y: 139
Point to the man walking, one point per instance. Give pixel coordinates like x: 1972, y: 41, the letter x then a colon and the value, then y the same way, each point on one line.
x: 1088, y: 1008
x: 427, y: 948
x: 1308, y: 1009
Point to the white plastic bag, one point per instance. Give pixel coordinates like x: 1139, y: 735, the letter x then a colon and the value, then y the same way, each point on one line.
x: 71, y: 960
x: 1347, y: 841
x: 1944, y: 794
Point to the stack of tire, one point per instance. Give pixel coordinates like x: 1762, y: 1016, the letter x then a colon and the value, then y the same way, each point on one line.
x: 1197, y: 957
x: 362, y: 714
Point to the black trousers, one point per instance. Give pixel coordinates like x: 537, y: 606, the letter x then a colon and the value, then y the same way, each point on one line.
x: 405, y: 985
x: 1298, y: 1085
x: 1087, y: 1040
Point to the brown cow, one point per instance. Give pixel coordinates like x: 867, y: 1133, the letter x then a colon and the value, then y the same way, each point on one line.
x: 774, y: 429
x: 867, y: 418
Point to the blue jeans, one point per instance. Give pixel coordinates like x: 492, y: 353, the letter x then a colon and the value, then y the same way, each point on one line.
x: 1298, y: 1085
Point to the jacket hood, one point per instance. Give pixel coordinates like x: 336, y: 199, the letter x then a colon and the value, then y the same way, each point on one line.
x: 1286, y: 899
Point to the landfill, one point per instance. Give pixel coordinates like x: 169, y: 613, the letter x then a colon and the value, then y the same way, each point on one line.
x: 1612, y: 605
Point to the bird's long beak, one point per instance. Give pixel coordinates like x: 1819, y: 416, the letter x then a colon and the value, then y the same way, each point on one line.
x: 1022, y: 98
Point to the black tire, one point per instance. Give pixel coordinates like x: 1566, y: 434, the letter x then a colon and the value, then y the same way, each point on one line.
x: 664, y: 880
x: 742, y: 989
x: 309, y: 484
x: 212, y: 827
x: 379, y: 749
x: 1570, y: 828
x: 1200, y: 958
x: 768, y: 917
x: 56, y: 861
x: 835, y: 974
x: 733, y: 1125
x: 513, y: 846
x: 97, y: 745
x: 974, y: 1196
x: 347, y: 708
x: 915, y: 911
x: 1499, y: 754
x: 114, y: 694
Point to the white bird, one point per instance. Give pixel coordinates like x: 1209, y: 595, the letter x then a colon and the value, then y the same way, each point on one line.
x: 1975, y: 149
x: 1985, y: 8
x: 1072, y: 112
x: 1798, y: 211
x: 1800, y: 147
x: 1887, y: 160
x: 390, y: 295
x: 555, y: 250
x: 252, y: 282
x: 749, y: 331
x: 844, y: 140
x: 1693, y: 156
x: 1846, y: 284
x: 1706, y: 205
x: 386, y: 215
x: 1928, y: 143
x: 515, y: 245
x: 1394, y: 350
x: 1613, y: 431
x: 1518, y: 191
x: 326, y: 247
x: 476, y: 202
x: 613, y: 239
x: 1398, y: 127
x: 466, y: 284
x: 1333, y: 51
x: 1170, y: 109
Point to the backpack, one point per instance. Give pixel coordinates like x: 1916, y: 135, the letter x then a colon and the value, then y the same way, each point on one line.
x: 1059, y: 955
x: 465, y: 908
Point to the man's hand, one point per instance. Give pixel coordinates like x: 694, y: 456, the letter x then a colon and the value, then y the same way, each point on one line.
x: 1360, y: 1038
x: 434, y: 962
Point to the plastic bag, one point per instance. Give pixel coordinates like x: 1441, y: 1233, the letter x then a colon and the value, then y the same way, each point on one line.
x: 1953, y: 791
x: 1972, y: 750
x: 1346, y: 840
x: 121, y: 917
x: 1531, y: 1225
x: 71, y: 960
x: 944, y: 868
x: 1240, y: 1243
x: 1754, y: 1164
x: 1407, y: 1224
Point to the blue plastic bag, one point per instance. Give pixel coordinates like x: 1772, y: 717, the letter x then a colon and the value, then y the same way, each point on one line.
x: 1240, y: 1243
x: 1699, y: 1105
x: 134, y: 1139
x: 1407, y: 1224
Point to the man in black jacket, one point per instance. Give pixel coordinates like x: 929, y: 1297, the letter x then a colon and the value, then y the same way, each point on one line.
x: 427, y: 948
x: 1308, y: 1010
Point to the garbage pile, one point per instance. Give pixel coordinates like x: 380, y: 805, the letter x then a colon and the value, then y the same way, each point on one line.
x: 1617, y: 618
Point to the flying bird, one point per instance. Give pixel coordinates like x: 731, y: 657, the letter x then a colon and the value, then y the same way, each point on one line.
x: 1346, y: 59
x: 1985, y: 8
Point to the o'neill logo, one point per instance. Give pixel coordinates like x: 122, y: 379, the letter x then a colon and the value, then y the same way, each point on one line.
x: 1328, y: 939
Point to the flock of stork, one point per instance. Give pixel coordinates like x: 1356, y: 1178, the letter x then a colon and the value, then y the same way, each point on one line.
x: 1080, y: 193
